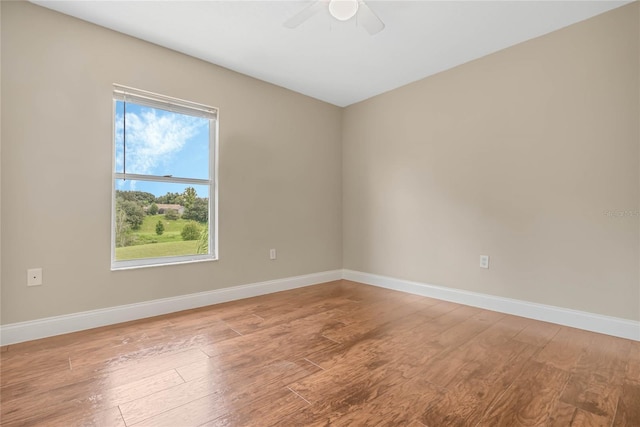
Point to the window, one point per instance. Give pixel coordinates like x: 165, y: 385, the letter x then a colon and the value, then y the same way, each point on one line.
x: 164, y: 187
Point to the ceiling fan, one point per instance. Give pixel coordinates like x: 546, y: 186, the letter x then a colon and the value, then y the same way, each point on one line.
x: 342, y: 10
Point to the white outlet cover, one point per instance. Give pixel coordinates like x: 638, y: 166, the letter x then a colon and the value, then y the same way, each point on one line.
x: 484, y: 261
x: 34, y: 277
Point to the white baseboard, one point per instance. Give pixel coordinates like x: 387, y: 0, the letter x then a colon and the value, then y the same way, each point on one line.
x: 50, y: 326
x: 614, y: 326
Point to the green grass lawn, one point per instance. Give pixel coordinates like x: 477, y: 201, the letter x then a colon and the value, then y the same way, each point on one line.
x: 147, y: 244
x: 154, y: 250
x: 147, y: 232
x: 170, y: 225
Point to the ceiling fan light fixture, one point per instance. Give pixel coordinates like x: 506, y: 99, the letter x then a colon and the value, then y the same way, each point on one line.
x: 343, y: 10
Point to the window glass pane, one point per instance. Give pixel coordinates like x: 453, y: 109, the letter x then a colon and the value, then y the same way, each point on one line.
x: 160, y: 142
x: 158, y: 219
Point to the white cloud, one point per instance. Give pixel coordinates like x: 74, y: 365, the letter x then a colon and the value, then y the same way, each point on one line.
x: 153, y: 140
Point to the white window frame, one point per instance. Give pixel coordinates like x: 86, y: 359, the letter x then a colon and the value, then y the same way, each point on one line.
x: 153, y: 100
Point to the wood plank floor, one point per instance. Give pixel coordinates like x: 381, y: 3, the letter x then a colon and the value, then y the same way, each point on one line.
x: 340, y: 353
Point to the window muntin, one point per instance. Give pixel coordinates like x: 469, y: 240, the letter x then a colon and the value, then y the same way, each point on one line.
x: 164, y: 155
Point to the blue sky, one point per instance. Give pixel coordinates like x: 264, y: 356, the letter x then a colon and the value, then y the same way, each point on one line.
x: 160, y: 142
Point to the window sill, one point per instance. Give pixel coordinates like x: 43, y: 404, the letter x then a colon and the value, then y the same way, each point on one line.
x: 159, y: 262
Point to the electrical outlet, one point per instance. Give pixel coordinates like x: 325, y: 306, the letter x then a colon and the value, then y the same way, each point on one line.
x: 34, y: 277
x: 272, y: 254
x: 484, y: 261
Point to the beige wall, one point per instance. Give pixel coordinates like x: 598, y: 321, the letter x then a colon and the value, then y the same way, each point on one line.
x: 280, y: 169
x: 0, y: 172
x: 516, y: 155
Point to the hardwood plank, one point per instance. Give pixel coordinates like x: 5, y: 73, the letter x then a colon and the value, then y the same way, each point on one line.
x: 589, y: 419
x: 565, y: 349
x: 101, y: 374
x: 479, y: 383
x: 173, y: 341
x: 268, y: 410
x: 538, y: 333
x: 333, y: 393
x: 137, y: 331
x: 633, y: 363
x: 268, y: 317
x: 529, y: 399
x: 513, y: 325
x: 360, y: 376
x: 83, y: 398
x: 367, y: 345
x: 369, y: 318
x: 371, y: 342
x: 309, y: 365
x: 15, y: 369
x: 263, y: 411
x: 628, y: 411
x: 561, y: 414
x: 400, y: 405
x: 596, y: 382
x: 80, y: 417
x: 433, y: 360
x: 292, y: 341
x: 220, y: 391
x: 462, y: 332
x: 339, y: 353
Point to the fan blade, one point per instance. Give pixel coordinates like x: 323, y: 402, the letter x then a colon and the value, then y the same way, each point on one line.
x: 304, y: 14
x: 368, y: 19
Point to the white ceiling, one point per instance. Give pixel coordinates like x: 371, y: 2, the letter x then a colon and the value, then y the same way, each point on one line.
x: 337, y: 62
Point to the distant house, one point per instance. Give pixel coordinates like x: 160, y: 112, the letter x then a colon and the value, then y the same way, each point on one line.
x: 162, y: 208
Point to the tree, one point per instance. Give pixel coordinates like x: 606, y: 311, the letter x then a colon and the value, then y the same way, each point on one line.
x: 171, y: 199
x: 159, y: 228
x: 189, y: 197
x: 190, y: 231
x: 203, y: 242
x: 141, y: 197
x: 134, y: 213
x: 153, y: 209
x: 199, y: 211
x: 171, y: 214
x: 122, y: 227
